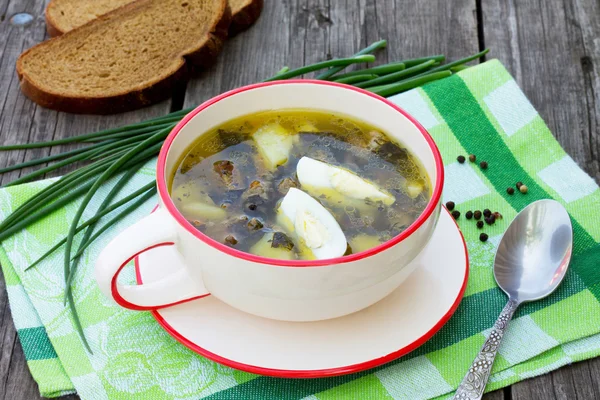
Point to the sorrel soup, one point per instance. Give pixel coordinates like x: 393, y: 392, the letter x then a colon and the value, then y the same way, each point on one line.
x: 299, y: 184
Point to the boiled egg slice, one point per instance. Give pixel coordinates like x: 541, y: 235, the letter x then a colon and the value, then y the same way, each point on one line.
x: 319, y: 178
x: 315, y: 228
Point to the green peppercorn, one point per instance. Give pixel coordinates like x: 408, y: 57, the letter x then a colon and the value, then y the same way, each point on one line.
x: 450, y: 205
x: 510, y: 191
x: 523, y: 189
x: 472, y: 158
x: 477, y: 215
x: 456, y: 214
x: 483, y: 164
x: 483, y: 237
x: 460, y: 159
x: 469, y: 214
x: 480, y: 224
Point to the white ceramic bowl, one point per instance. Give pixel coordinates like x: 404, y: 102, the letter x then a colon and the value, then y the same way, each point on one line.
x: 297, y: 290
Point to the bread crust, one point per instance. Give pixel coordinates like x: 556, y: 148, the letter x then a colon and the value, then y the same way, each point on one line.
x: 240, y: 20
x: 244, y: 18
x: 206, y: 52
x: 51, y: 26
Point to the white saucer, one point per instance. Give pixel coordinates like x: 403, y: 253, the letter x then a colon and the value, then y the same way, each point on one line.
x: 396, y: 325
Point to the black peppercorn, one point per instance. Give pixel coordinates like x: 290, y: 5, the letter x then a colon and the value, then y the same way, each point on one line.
x: 480, y: 224
x: 469, y: 214
x: 477, y: 215
x: 519, y: 184
x: 510, y: 190
x: 252, y: 207
x: 490, y: 220
x: 460, y: 159
x: 472, y: 158
x: 450, y: 205
x: 456, y: 214
x: 483, y: 237
x: 487, y: 212
x: 483, y: 164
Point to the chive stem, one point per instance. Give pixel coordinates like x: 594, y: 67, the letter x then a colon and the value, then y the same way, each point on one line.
x: 407, y: 84
x: 84, y: 245
x: 71, y: 160
x: 349, y: 80
x: 320, y: 65
x: 446, y: 67
x: 367, y: 50
x: 148, y: 125
x: 131, y: 154
x: 43, y: 160
x: 54, y: 190
x: 90, y: 229
x: 95, y: 218
x: 394, y: 77
x: 415, y: 61
x: 378, y: 70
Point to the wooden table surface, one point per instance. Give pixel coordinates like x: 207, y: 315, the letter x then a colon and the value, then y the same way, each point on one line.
x: 551, y: 47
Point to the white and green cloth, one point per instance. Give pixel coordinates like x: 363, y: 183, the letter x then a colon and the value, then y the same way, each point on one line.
x: 479, y: 111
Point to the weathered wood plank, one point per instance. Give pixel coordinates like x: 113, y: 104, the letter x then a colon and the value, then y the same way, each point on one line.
x: 497, y: 395
x: 277, y: 39
x: 15, y: 124
x: 577, y: 381
x: 414, y: 29
x: 23, y: 121
x: 553, y: 52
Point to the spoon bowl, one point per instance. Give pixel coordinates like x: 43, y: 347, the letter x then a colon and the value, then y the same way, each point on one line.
x: 535, y: 251
x: 531, y: 261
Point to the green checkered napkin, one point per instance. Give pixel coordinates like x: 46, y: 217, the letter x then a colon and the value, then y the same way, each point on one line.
x: 479, y: 111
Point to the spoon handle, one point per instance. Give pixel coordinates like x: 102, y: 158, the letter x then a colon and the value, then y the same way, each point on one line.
x: 473, y: 384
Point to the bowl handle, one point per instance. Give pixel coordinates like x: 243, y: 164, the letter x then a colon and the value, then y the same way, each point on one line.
x: 155, y: 230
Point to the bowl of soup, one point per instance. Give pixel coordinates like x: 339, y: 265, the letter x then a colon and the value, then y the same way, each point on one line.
x: 293, y: 200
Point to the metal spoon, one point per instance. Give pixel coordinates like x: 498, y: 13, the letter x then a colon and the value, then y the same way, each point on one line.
x: 530, y: 263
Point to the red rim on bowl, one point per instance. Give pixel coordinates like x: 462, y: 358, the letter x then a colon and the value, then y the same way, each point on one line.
x: 164, y: 192
x: 320, y: 373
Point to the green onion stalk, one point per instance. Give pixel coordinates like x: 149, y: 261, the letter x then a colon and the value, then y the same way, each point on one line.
x: 123, y: 151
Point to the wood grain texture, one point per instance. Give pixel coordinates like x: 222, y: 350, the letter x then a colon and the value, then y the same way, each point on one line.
x: 552, y: 52
x: 497, y: 395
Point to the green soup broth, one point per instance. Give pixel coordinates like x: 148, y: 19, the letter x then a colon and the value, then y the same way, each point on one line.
x: 230, y: 181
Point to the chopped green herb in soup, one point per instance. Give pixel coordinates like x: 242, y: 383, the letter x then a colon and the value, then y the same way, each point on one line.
x: 299, y: 184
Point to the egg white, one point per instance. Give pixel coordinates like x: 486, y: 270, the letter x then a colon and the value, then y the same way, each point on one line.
x: 318, y: 177
x: 315, y: 228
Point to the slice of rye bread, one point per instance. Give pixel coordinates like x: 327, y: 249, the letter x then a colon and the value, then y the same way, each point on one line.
x: 126, y: 59
x: 65, y: 15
